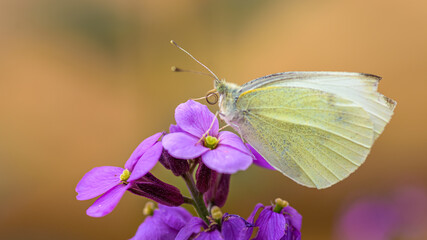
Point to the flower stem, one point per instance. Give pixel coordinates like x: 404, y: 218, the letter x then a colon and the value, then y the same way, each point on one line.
x: 198, y: 203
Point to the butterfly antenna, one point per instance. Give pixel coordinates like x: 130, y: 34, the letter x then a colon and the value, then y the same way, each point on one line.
x: 182, y: 49
x: 176, y: 69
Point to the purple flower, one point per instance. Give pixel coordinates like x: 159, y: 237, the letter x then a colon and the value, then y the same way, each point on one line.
x: 223, y: 151
x: 112, y: 182
x: 259, y: 160
x: 401, y: 216
x: 281, y: 222
x: 232, y: 227
x: 164, y: 224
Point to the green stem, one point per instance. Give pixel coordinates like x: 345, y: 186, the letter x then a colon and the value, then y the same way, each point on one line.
x: 198, y: 203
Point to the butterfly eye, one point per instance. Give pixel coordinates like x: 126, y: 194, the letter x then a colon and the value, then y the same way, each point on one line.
x: 212, y: 98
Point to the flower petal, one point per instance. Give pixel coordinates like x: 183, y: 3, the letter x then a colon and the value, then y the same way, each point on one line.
x: 259, y: 160
x: 192, y: 227
x: 271, y: 225
x: 140, y: 150
x: 154, y: 227
x: 293, y: 216
x: 232, y: 140
x: 98, y: 181
x: 235, y: 227
x: 107, y: 202
x: 195, y: 118
x: 174, y: 128
x: 225, y: 159
x: 147, y: 161
x: 254, y: 212
x: 183, y: 146
x: 210, y: 235
x: 175, y: 217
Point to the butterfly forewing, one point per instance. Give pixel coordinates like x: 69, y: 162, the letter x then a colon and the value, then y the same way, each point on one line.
x: 357, y: 87
x: 316, y: 138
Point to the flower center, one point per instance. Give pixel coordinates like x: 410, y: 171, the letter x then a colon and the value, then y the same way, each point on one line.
x: 211, y: 142
x: 280, y: 204
x: 148, y: 209
x: 125, y: 175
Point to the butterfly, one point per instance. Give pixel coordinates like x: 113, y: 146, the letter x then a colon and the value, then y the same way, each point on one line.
x: 314, y: 127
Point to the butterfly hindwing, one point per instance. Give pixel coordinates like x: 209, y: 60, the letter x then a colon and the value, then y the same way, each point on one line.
x: 314, y: 137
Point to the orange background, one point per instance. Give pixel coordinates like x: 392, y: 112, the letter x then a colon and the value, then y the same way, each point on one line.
x: 82, y: 82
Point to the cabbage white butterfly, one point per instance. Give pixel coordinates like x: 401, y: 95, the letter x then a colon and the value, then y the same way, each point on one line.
x: 314, y: 127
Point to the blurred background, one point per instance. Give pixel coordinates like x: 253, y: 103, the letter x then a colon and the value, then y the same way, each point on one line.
x: 82, y: 82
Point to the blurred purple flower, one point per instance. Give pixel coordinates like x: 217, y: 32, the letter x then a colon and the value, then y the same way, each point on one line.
x: 259, y: 160
x: 112, y: 182
x: 233, y: 227
x: 402, y: 215
x: 282, y: 223
x: 164, y: 224
x: 223, y: 151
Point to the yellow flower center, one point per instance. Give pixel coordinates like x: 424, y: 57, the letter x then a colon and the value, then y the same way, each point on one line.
x: 279, y: 205
x: 125, y: 175
x: 211, y: 142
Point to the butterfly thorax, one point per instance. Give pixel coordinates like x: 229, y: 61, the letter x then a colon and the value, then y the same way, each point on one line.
x: 228, y: 95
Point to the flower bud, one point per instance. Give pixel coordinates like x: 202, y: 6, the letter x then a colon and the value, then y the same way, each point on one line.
x: 204, y: 177
x: 177, y: 166
x: 218, y: 191
x: 148, y: 209
x: 216, y: 213
x: 151, y: 187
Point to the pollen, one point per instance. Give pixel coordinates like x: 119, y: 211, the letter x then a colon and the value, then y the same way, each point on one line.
x: 279, y: 205
x: 211, y: 142
x: 125, y: 175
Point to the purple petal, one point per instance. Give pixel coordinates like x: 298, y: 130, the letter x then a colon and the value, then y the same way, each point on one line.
x: 254, y: 212
x: 154, y: 227
x: 232, y: 140
x: 293, y: 216
x: 225, y: 159
x: 259, y: 160
x: 147, y: 161
x: 183, y: 146
x: 211, y: 235
x: 195, y: 118
x: 192, y: 227
x: 251, y: 219
x: 174, y: 128
x: 235, y: 227
x: 98, y: 181
x: 107, y: 202
x: 174, y: 217
x: 140, y: 150
x: 271, y: 225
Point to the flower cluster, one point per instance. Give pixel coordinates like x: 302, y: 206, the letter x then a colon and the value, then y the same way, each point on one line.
x: 205, y: 157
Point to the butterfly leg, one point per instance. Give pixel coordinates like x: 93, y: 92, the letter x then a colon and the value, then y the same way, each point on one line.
x: 223, y: 127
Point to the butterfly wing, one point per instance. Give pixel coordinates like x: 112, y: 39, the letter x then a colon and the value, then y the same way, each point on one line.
x: 314, y: 137
x: 357, y: 87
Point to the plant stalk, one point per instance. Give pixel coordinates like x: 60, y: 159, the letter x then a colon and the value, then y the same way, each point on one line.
x: 198, y: 202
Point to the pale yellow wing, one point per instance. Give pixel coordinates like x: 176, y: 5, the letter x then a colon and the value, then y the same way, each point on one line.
x: 357, y: 87
x: 314, y: 137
